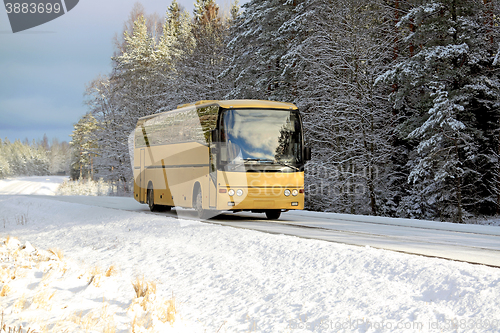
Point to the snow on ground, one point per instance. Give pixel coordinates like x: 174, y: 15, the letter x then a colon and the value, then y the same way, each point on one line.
x: 42, y: 185
x: 226, y: 279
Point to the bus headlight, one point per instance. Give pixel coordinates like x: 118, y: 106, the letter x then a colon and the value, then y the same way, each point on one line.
x: 295, y: 192
x: 239, y: 193
x: 231, y: 192
x: 287, y: 193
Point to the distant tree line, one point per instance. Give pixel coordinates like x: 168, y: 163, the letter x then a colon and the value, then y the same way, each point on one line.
x: 401, y: 99
x: 36, y: 158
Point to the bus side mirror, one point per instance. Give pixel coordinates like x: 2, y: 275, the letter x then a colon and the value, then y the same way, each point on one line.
x: 213, y: 134
x: 307, y: 153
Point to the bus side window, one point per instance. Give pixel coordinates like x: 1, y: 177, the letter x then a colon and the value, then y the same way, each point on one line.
x: 223, y: 152
x: 223, y: 145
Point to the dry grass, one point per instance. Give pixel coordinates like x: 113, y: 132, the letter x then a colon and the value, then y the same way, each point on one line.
x: 9, y: 240
x: 22, y: 219
x: 9, y: 329
x: 20, y: 304
x: 102, y: 317
x: 96, y: 270
x: 87, y: 322
x: 143, y: 288
x: 95, y: 276
x: 60, y: 326
x: 41, y: 299
x: 148, y: 310
x: 151, y: 306
x: 47, y: 277
x: 19, y: 272
x: 107, y: 318
x: 167, y: 310
x: 111, y: 271
x: 76, y: 318
x: 6, y: 275
x: 154, y: 310
x: 43, y: 328
x: 5, y: 290
x: 141, y: 323
x: 51, y: 264
x: 109, y: 328
x: 58, y: 253
x: 105, y: 313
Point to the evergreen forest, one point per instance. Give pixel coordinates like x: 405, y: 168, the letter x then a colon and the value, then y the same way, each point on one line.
x: 400, y: 99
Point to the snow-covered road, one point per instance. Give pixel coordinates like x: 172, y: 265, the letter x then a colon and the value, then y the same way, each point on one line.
x: 470, y: 243
x: 42, y: 185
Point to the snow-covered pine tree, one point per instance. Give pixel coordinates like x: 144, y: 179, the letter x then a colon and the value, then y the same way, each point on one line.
x: 330, y: 70
x: 4, y: 161
x: 135, y: 71
x: 38, y: 160
x: 103, y: 104
x: 444, y: 152
x: 176, y: 43
x: 129, y: 93
x: 234, y: 10
x: 481, y: 98
x: 144, y: 81
x: 84, y: 146
x: 23, y: 159
x: 154, y: 25
x: 199, y: 70
x: 447, y: 89
x: 59, y: 157
x: 256, y: 46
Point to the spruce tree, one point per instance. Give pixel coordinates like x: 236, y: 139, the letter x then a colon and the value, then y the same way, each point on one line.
x: 200, y: 68
x: 446, y: 86
x: 258, y: 41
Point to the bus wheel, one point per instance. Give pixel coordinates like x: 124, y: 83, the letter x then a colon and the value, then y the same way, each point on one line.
x: 273, y: 214
x: 151, y: 201
x: 198, y: 205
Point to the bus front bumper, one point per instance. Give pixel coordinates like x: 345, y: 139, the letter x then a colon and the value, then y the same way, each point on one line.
x: 261, y: 199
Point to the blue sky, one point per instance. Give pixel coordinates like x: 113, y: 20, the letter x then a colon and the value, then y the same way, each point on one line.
x: 44, y: 70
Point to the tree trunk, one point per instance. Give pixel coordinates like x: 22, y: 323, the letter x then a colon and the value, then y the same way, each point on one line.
x: 458, y: 189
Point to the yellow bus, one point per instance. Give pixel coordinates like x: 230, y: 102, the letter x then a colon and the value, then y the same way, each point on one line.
x: 213, y: 156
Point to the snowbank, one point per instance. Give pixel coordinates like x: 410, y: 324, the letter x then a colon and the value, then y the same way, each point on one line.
x: 41, y: 185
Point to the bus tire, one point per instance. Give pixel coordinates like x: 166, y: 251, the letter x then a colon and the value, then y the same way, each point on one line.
x: 150, y: 198
x: 273, y: 214
x: 198, y: 205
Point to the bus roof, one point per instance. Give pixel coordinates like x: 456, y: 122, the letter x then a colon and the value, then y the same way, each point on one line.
x: 234, y: 103
x: 254, y: 103
x: 243, y: 103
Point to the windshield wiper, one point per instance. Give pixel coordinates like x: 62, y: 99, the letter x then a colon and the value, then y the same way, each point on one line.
x: 287, y: 165
x: 258, y: 160
x: 231, y: 167
x: 266, y: 160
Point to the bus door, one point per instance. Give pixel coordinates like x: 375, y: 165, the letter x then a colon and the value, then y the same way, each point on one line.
x: 212, y: 186
x: 142, y: 176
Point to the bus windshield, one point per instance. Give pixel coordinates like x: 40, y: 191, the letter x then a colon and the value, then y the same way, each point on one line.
x: 261, y: 137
